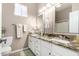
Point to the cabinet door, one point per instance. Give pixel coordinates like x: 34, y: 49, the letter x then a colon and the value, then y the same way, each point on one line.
x: 34, y: 45
x: 31, y: 43
x: 37, y: 47
x: 62, y: 51
x: 45, y: 48
x: 45, y: 51
x: 46, y: 44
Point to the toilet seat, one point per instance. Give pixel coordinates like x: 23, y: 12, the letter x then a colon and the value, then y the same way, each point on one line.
x: 6, y: 48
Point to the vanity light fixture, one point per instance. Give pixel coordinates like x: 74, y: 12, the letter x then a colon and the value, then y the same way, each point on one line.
x: 48, y: 5
x: 58, y: 5
x: 44, y: 7
x: 53, y: 4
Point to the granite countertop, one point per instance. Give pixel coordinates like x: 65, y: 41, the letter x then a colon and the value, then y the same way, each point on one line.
x: 69, y: 46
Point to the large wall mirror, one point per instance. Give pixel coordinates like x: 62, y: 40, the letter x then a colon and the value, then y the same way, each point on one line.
x: 67, y: 18
x: 64, y: 19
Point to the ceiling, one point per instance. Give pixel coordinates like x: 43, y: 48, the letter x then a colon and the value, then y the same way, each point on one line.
x: 63, y: 6
x: 40, y: 5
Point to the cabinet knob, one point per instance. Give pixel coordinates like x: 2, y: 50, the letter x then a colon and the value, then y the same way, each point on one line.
x: 49, y: 53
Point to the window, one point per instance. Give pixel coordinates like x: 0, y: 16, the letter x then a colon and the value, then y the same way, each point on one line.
x: 20, y: 10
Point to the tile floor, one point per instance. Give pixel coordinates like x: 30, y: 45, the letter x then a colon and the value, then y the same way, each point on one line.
x: 26, y: 52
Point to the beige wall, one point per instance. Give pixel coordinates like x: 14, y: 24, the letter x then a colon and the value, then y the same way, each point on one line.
x: 41, y: 5
x: 64, y: 14
x: 8, y: 18
x: 75, y: 6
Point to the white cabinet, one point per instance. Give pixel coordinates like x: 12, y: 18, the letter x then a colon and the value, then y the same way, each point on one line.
x: 37, y: 47
x: 31, y: 43
x: 62, y: 51
x: 34, y: 45
x: 45, y: 48
x: 46, y: 44
x: 74, y: 22
x: 45, y: 51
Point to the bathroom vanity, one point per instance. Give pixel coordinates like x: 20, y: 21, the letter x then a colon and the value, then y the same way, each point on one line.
x: 42, y: 46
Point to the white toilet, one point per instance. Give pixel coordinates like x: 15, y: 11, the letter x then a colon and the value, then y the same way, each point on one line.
x: 6, y: 48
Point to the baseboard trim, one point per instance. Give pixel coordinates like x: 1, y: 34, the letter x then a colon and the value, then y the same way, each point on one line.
x: 32, y: 51
x: 18, y: 50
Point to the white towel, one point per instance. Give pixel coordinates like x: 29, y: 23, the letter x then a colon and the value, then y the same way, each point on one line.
x: 19, y: 30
